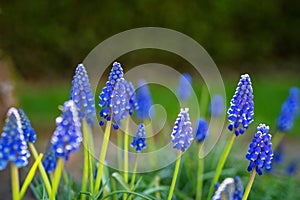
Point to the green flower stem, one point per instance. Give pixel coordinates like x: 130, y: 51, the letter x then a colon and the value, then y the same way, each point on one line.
x: 114, y: 188
x: 86, y: 165
x: 14, y: 182
x: 119, y: 142
x: 250, y: 183
x: 199, y: 176
x: 277, y: 139
x: 133, y: 175
x: 157, y: 193
x: 126, y: 143
x: 56, y: 179
x: 30, y: 176
x: 221, y: 165
x: 42, y: 170
x: 175, y: 176
x: 102, y: 157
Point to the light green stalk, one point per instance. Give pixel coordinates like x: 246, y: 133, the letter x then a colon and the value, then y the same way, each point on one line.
x: 56, y: 179
x: 102, y: 157
x: 199, y: 177
x: 41, y: 169
x: 277, y: 139
x: 221, y: 165
x: 250, y: 183
x: 14, y: 181
x: 126, y: 143
x: 30, y: 176
x: 175, y: 176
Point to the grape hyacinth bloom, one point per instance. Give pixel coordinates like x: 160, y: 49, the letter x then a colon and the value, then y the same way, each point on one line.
x: 117, y: 98
x: 226, y: 188
x: 115, y: 75
x: 82, y: 95
x: 240, y: 113
x: 182, y: 132
x: 139, y: 140
x: 28, y: 131
x: 231, y: 189
x: 289, y: 111
x: 13, y: 146
x: 201, y: 130
x: 67, y: 136
x: 217, y: 106
x: 50, y: 159
x: 260, y: 152
x: 238, y: 189
x: 144, y: 100
x: 184, y: 89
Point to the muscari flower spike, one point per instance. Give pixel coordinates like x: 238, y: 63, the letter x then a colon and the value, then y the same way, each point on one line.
x: 115, y: 75
x: 82, y: 95
x: 144, y: 100
x: 28, y: 131
x: 201, y: 130
x: 139, y: 140
x: 217, y: 106
x: 49, y: 160
x: 225, y: 190
x: 260, y: 152
x: 184, y: 87
x: 182, y: 135
x: 117, y: 98
x: 231, y: 189
x: 238, y: 189
x: 67, y: 136
x: 240, y: 113
x: 289, y: 111
x: 13, y: 146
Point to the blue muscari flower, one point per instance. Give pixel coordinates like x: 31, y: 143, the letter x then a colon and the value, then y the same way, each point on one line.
x: 217, y: 106
x: 201, y: 130
x: 184, y: 87
x: 28, y: 131
x: 240, y: 113
x: 139, y: 140
x: 291, y: 169
x: 278, y: 154
x: 49, y: 160
x: 182, y: 135
x: 260, y: 153
x: 231, y: 189
x: 82, y: 95
x: 117, y: 98
x: 225, y: 189
x: 67, y: 136
x: 144, y: 101
x: 238, y: 189
x: 13, y: 146
x: 289, y: 111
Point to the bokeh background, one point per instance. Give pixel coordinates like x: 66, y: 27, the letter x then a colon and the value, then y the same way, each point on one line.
x: 41, y: 43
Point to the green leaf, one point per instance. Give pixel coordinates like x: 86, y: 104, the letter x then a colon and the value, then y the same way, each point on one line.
x: 120, y: 179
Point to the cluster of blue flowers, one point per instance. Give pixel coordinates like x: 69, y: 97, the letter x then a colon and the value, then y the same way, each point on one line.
x: 229, y: 189
x: 67, y: 135
x: 260, y: 153
x: 289, y: 111
x: 240, y: 113
x: 201, y: 130
x: 49, y: 159
x: 182, y: 135
x: 28, y: 131
x: 13, y: 146
x: 217, y: 107
x: 145, y: 100
x: 117, y: 98
x: 139, y: 140
x: 81, y: 94
x: 184, y: 89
